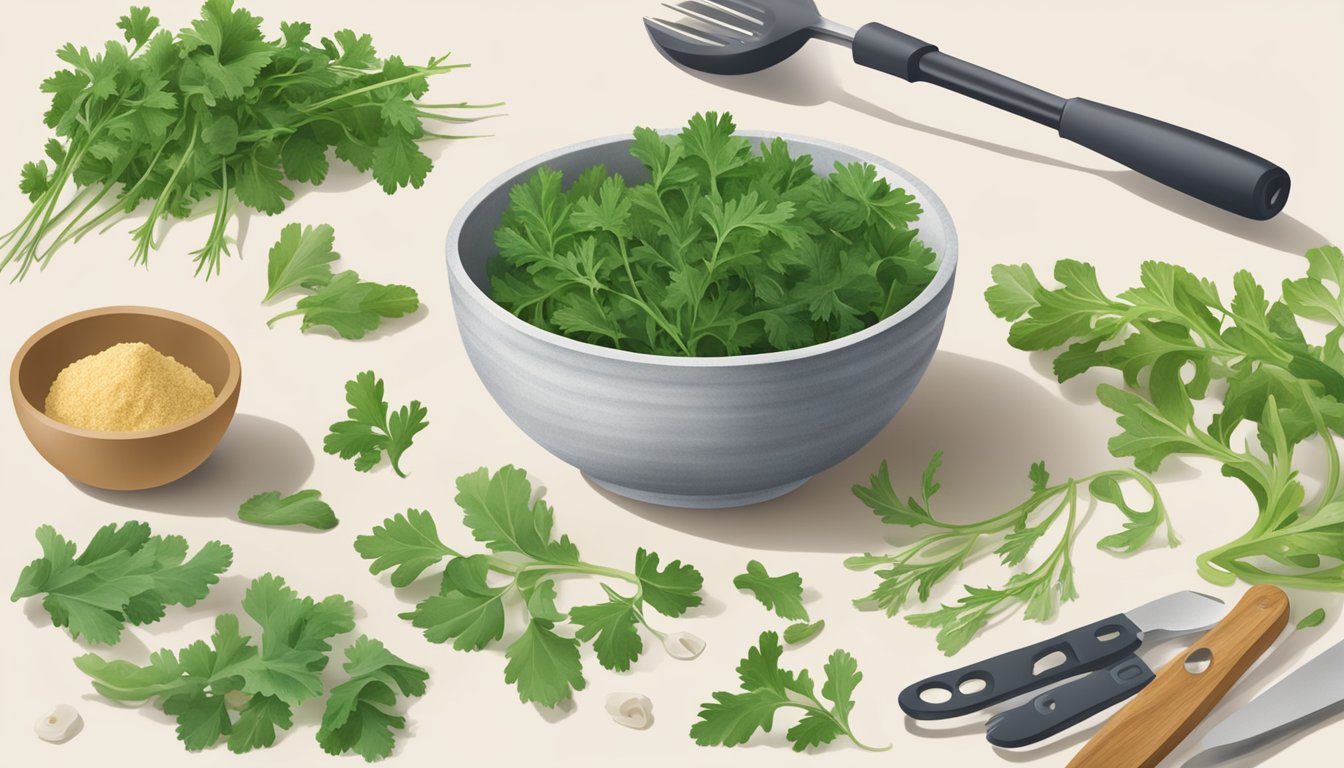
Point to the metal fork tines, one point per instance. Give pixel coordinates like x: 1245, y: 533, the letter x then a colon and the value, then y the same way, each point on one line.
x: 715, y: 22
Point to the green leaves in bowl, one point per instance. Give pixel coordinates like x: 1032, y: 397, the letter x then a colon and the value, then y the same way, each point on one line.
x: 723, y: 251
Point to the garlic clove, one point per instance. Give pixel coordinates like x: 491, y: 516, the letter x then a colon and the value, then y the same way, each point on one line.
x: 683, y: 645
x: 59, y: 725
x: 632, y: 710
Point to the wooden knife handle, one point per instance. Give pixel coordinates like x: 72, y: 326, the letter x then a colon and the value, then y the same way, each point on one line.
x: 1164, y: 713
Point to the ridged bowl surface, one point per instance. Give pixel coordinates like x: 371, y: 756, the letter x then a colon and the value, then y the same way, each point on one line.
x: 694, y: 432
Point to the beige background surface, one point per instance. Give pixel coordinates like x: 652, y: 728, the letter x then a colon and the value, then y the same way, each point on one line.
x: 1266, y: 76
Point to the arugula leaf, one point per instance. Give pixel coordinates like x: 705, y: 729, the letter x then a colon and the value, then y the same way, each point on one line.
x: 477, y: 593
x: 732, y: 718
x: 1171, y: 338
x: 302, y: 257
x: 352, y: 307
x: 196, y: 684
x: 723, y: 251
x: 370, y: 430
x: 796, y: 634
x: 781, y: 594
x: 217, y: 115
x: 123, y: 575
x: 302, y: 508
x: 924, y: 563
x: 356, y: 719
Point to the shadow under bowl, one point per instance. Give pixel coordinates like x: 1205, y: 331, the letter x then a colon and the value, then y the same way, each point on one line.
x: 697, y: 432
x: 123, y: 461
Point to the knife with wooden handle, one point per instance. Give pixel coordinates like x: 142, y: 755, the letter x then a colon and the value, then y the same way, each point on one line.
x: 1146, y: 730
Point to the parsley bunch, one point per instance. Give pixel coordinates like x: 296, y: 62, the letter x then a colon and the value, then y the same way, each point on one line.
x: 469, y: 609
x: 722, y: 252
x: 1177, y: 343
x: 216, y: 112
x: 933, y: 558
x: 123, y: 575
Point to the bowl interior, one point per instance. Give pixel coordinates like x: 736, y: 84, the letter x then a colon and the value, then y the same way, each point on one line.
x: 191, y: 343
x: 475, y: 246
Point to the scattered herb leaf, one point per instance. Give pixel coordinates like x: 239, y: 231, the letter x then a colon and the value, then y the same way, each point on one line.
x: 781, y: 594
x: 1313, y: 619
x: 356, y: 718
x: 469, y: 610
x: 302, y: 508
x: 197, y: 684
x: 732, y: 718
x: 803, y: 631
x: 370, y: 431
x: 341, y: 301
x: 123, y: 575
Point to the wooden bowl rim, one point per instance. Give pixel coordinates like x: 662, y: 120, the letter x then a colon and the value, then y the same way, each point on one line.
x: 226, y: 392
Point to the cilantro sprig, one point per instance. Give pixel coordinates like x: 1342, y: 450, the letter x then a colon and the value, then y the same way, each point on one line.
x: 232, y: 688
x: 123, y: 575
x: 733, y: 717
x: 372, y: 428
x: 722, y: 252
x: 522, y: 569
x: 219, y: 115
x: 783, y: 595
x: 1177, y: 343
x: 1014, y: 534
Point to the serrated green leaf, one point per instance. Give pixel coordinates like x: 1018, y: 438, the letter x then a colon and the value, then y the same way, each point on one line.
x: 781, y: 594
x: 544, y: 666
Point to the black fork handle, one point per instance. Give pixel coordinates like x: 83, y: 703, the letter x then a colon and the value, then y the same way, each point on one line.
x: 1202, y: 167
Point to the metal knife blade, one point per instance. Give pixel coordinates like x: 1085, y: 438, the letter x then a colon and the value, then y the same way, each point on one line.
x: 1178, y: 613
x: 1310, y: 688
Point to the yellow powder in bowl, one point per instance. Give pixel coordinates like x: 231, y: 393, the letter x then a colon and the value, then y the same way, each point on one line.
x: 127, y: 387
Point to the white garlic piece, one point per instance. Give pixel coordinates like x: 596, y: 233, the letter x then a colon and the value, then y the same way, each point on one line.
x: 630, y: 709
x: 538, y: 493
x: 58, y: 725
x: 683, y: 645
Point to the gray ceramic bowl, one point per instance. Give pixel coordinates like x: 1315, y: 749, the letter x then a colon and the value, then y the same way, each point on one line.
x: 694, y: 432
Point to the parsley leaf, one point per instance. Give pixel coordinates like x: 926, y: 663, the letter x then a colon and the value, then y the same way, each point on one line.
x: 732, y: 718
x: 217, y: 115
x: 302, y: 508
x: 919, y: 566
x: 197, y: 684
x: 370, y: 430
x: 781, y: 594
x: 471, y: 609
x: 123, y: 575
x: 723, y: 251
x: 1171, y: 338
x: 356, y: 719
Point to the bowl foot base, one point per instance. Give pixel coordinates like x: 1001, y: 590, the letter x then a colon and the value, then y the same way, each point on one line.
x: 692, y: 501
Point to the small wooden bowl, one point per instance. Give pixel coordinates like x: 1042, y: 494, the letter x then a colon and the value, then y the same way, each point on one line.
x: 125, y: 461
